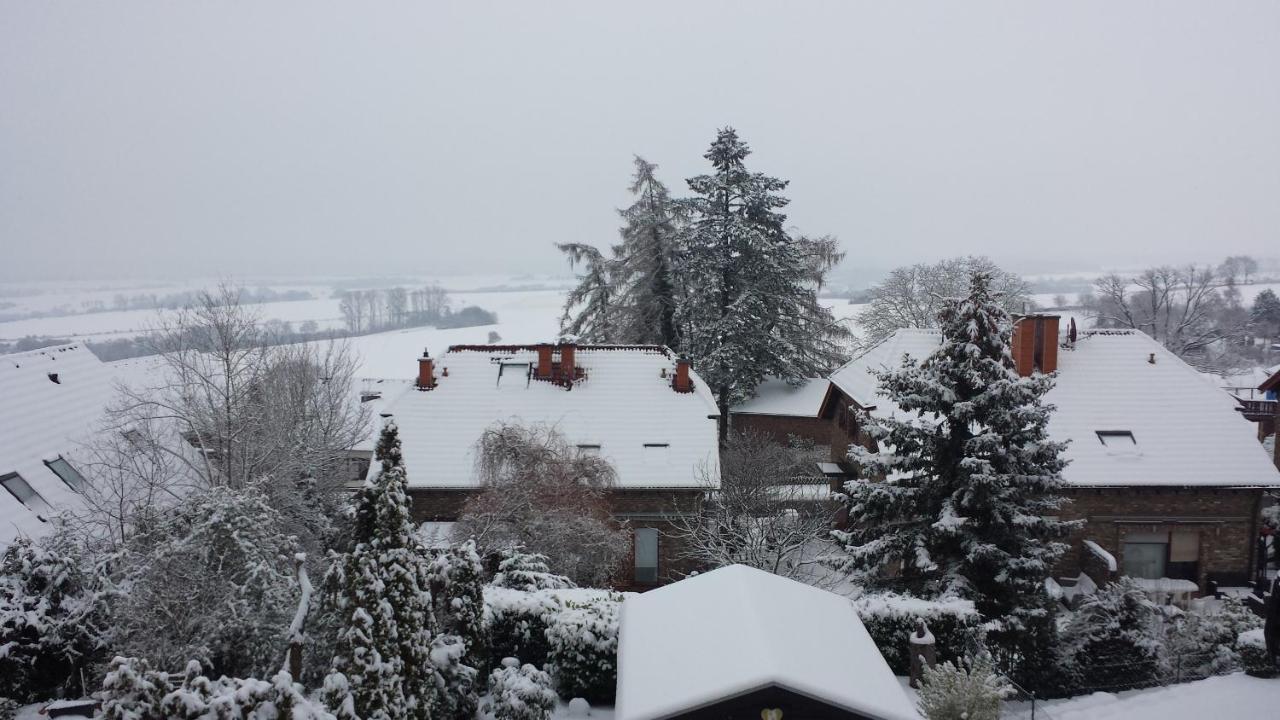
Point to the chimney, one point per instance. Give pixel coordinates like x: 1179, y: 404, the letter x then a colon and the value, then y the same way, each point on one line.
x: 1035, y: 344
x: 681, y: 382
x: 426, y: 371
x: 543, y: 372
x: 567, y: 368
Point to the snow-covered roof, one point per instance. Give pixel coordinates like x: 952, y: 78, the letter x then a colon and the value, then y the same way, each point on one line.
x: 623, y: 407
x: 778, y: 397
x: 378, y: 395
x: 1185, y: 430
x: 42, y: 419
x: 735, y: 630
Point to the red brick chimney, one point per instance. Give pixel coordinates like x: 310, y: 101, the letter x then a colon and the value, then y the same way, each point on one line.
x: 1035, y: 344
x: 681, y: 383
x: 567, y: 367
x: 426, y: 371
x: 543, y: 371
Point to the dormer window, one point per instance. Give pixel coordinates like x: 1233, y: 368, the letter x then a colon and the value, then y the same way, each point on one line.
x: 20, y: 489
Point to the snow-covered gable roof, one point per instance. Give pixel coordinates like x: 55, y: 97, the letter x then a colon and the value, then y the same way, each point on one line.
x: 653, y: 435
x: 778, y: 397
x: 1185, y: 430
x: 734, y: 630
x: 43, y: 420
x: 378, y: 395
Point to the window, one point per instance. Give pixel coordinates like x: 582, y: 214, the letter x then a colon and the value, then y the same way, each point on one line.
x: 1119, y: 442
x: 589, y: 450
x: 646, y: 552
x: 68, y: 474
x: 19, y: 488
x: 513, y: 374
x: 1184, y: 556
x: 1145, y: 555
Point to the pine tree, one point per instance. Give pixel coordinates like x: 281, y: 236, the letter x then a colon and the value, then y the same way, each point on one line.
x: 648, y: 283
x: 971, y: 482
x: 1113, y: 640
x: 755, y: 313
x: 383, y: 587
x: 1265, y: 314
x: 596, y: 320
x: 519, y: 570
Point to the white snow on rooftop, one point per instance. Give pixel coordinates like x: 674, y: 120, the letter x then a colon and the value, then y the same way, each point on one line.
x: 43, y: 420
x: 735, y: 630
x: 778, y: 397
x: 1186, y: 431
x: 623, y: 404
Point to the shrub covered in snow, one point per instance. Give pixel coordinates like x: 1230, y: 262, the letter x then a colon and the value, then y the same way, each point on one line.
x: 583, y: 655
x: 51, y: 619
x: 211, y: 579
x: 455, y: 681
x: 1252, y: 646
x: 457, y: 591
x: 952, y: 692
x: 1200, y: 644
x: 891, y: 617
x: 518, y: 621
x: 1114, y: 640
x: 132, y: 691
x: 520, y: 692
x: 520, y: 570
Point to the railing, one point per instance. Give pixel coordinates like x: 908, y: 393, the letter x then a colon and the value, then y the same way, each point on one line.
x: 1258, y: 409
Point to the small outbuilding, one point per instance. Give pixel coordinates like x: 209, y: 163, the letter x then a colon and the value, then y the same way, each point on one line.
x: 740, y: 643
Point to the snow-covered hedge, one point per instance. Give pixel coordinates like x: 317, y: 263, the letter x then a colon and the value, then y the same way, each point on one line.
x: 518, y: 620
x: 133, y: 691
x: 891, y: 617
x: 584, y: 648
x: 1252, y: 646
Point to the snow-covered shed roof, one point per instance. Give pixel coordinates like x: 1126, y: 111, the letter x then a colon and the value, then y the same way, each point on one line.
x: 623, y: 407
x: 736, y: 630
x: 1129, y: 421
x: 52, y: 401
x: 778, y: 397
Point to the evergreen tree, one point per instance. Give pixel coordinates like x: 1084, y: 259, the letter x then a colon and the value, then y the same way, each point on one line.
x: 969, y: 480
x: 519, y: 570
x: 1113, y: 640
x: 457, y: 585
x: 594, y: 297
x: 1265, y: 314
x: 648, y: 284
x: 755, y: 313
x: 383, y: 587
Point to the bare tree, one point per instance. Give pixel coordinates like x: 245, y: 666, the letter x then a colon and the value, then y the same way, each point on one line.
x: 1187, y: 309
x: 548, y: 496
x: 224, y: 407
x: 1238, y: 268
x: 912, y: 296
x: 767, y: 510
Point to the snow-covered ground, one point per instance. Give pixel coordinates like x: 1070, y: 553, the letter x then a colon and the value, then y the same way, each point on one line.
x: 1223, y: 698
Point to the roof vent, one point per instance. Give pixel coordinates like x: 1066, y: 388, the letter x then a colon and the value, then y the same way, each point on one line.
x: 1151, y: 358
x: 53, y: 377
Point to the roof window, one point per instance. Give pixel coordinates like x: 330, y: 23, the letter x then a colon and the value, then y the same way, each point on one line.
x: 513, y: 374
x: 68, y: 474
x: 656, y: 453
x: 1119, y: 442
x: 26, y: 495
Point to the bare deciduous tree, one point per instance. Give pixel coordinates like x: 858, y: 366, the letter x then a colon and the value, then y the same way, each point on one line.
x: 544, y: 494
x: 912, y: 297
x: 767, y: 511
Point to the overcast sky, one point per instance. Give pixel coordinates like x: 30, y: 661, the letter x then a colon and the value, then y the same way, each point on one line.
x: 197, y: 138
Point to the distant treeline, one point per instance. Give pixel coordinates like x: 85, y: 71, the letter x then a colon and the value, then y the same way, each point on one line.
x: 152, y: 301
x: 375, y: 310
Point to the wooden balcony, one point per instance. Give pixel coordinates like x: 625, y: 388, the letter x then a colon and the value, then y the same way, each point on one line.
x: 1258, y: 410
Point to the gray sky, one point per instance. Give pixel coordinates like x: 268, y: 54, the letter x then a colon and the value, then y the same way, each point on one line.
x: 185, y: 138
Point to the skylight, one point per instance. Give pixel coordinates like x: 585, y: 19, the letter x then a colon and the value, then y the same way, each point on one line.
x: 656, y: 453
x: 513, y: 374
x: 68, y: 474
x: 26, y: 495
x: 1119, y: 442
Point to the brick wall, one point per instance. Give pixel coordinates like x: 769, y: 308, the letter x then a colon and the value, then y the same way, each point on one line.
x: 1226, y: 521
x: 835, y: 433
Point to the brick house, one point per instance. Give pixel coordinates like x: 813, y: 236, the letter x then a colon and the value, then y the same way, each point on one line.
x: 638, y: 406
x: 1167, y: 476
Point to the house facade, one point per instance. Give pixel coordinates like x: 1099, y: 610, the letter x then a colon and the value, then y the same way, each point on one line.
x: 640, y: 407
x: 1167, y: 476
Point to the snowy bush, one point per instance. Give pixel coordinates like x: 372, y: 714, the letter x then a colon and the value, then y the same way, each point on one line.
x: 518, y: 621
x: 212, y: 579
x: 520, y: 570
x: 891, y: 617
x: 1201, y: 644
x: 520, y: 693
x: 584, y: 648
x: 950, y: 692
x: 8, y: 708
x: 132, y: 691
x: 51, y: 619
x: 1252, y: 646
x: 455, y: 681
x: 457, y: 592
x: 1114, y: 640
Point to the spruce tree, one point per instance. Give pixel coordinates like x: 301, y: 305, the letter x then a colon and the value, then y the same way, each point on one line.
x: 382, y: 588
x: 755, y: 312
x: 594, y: 298
x: 963, y: 492
x: 648, y: 283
